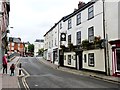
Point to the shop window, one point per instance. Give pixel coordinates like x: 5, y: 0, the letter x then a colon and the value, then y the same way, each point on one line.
x: 91, y: 59
x: 85, y: 58
x: 64, y: 57
x: 69, y: 59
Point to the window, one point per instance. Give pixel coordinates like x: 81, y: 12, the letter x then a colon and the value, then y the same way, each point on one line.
x: 69, y: 24
x: 49, y: 45
x: 69, y: 38
x: 90, y: 12
x: 60, y: 25
x: 12, y: 44
x: 55, y: 42
x: 78, y: 18
x: 91, y: 34
x: 64, y: 57
x: 85, y: 58
x: 73, y: 57
x: 91, y: 59
x: 79, y: 37
x: 69, y: 59
x: 52, y: 43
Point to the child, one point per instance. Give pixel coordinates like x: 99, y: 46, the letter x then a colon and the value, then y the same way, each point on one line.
x: 12, y: 68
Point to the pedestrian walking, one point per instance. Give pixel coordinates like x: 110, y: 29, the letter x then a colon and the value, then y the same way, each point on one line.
x: 12, y: 68
x: 4, y: 61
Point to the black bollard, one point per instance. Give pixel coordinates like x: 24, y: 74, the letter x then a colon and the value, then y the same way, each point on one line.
x: 20, y: 68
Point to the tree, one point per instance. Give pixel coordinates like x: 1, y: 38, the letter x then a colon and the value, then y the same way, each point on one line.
x: 40, y: 51
x: 31, y: 48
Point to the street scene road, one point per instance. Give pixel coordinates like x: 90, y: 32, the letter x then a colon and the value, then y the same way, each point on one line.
x: 43, y: 76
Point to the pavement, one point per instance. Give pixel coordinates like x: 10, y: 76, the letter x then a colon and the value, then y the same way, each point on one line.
x: 82, y: 72
x: 7, y: 81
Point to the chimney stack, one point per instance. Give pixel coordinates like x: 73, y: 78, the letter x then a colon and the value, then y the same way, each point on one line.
x: 81, y: 4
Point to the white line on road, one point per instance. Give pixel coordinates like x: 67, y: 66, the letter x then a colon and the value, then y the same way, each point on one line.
x: 24, y: 81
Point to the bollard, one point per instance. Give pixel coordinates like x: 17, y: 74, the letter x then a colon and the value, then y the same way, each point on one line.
x: 20, y: 65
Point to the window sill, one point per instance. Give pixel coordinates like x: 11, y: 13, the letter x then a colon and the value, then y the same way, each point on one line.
x: 78, y: 24
x: 92, y: 65
x: 90, y: 18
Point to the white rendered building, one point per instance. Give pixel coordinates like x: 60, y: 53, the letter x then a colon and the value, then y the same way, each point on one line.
x: 38, y: 44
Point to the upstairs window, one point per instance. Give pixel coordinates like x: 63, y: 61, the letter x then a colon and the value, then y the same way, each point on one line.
x: 90, y: 12
x: 91, y: 34
x: 79, y: 37
x: 69, y: 39
x: 78, y: 18
x: 55, y: 42
x: 69, y: 24
x: 61, y: 25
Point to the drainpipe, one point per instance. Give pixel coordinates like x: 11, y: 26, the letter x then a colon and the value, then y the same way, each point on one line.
x: 58, y: 47
x: 106, y: 52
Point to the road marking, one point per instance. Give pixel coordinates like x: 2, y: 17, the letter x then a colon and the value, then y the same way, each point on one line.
x: 36, y: 85
x: 24, y: 81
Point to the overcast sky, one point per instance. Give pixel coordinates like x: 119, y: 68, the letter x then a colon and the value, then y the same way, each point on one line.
x: 31, y: 19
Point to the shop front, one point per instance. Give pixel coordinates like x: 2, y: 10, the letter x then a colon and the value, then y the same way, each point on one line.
x: 115, y: 57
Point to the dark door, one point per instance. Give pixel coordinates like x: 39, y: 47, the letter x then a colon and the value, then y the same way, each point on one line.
x: 118, y: 58
x: 54, y: 56
x: 79, y: 60
x: 61, y: 60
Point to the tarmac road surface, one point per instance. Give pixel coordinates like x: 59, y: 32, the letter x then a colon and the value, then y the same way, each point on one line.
x: 42, y: 76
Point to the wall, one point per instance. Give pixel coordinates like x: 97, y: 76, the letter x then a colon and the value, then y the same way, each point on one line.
x: 119, y: 20
x: 97, y: 22
x: 98, y: 59
x: 111, y: 19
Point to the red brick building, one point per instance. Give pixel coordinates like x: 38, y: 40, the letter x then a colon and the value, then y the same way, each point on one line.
x: 16, y: 45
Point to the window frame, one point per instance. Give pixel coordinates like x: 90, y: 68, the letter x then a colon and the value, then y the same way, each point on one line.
x: 91, y: 63
x: 78, y: 19
x: 90, y: 12
x: 69, y: 60
x: 60, y: 25
x: 78, y: 38
x: 69, y: 38
x: 69, y: 23
x: 91, y: 34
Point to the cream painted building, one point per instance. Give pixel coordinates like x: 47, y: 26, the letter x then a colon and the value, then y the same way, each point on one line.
x: 92, y: 37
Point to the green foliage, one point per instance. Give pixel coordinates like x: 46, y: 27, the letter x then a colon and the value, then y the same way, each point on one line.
x: 85, y: 44
x: 40, y: 51
x: 30, y: 48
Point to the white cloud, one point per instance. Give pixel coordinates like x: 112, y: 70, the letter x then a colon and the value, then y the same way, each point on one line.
x: 31, y: 19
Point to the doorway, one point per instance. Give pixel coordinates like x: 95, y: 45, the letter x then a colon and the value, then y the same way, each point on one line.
x: 118, y: 59
x: 79, y: 60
